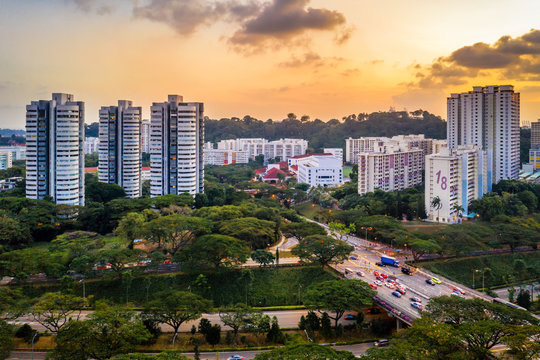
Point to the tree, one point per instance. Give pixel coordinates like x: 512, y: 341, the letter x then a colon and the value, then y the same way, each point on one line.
x: 263, y: 257
x: 103, y: 193
x: 12, y: 233
x: 338, y: 296
x: 258, y: 234
x: 6, y: 339
x: 109, y: 331
x: 275, y: 334
x: 305, y: 352
x: 323, y: 250
x: 162, y: 356
x: 302, y: 229
x: 213, y: 252
x: 118, y: 258
x: 237, y: 317
x: 341, y: 229
x: 54, y: 310
x: 176, y: 307
x: 437, y: 205
x: 420, y: 247
x: 524, y: 299
x: 458, y: 209
x: 12, y: 303
x: 130, y: 227
x: 176, y: 231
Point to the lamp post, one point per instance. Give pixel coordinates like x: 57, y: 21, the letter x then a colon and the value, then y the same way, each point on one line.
x: 366, y: 228
x: 33, y: 338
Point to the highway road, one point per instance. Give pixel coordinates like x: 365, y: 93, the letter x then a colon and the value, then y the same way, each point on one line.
x: 356, y: 349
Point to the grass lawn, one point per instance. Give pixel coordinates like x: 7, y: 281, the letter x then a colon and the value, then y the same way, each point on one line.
x: 308, y: 209
x: 257, y: 287
x: 423, y: 226
x: 347, y: 171
x: 501, y: 265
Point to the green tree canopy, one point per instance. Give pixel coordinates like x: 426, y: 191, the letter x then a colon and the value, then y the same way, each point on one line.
x: 323, y: 250
x: 302, y: 229
x: 305, y: 352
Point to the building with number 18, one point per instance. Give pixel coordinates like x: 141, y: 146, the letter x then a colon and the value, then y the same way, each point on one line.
x: 453, y: 179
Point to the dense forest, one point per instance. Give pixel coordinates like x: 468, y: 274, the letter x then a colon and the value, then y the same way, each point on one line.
x: 331, y: 133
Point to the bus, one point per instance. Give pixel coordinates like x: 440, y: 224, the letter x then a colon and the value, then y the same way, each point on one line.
x: 508, y: 303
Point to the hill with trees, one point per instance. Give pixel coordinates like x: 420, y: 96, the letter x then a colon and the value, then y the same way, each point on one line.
x: 331, y: 133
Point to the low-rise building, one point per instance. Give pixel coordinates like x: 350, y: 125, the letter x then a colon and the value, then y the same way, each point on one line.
x: 6, y: 160
x: 225, y: 157
x: 337, y: 152
x: 453, y: 179
x: 91, y: 145
x: 9, y: 183
x: 319, y: 170
x: 18, y: 152
x: 282, y: 148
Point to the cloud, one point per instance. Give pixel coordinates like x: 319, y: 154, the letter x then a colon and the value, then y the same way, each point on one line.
x: 311, y: 59
x: 88, y: 6
x: 281, y: 21
x: 510, y: 58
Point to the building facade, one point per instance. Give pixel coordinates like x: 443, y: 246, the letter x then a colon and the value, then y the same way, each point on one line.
x: 145, y: 136
x: 176, y: 147
x: 18, y: 152
x: 120, y: 146
x: 91, y: 145
x: 54, y: 149
x: 337, y: 152
x: 488, y: 117
x: 282, y: 148
x: 353, y: 147
x: 6, y: 160
x: 453, y: 179
x: 319, y: 170
x: 389, y: 168
x: 224, y: 157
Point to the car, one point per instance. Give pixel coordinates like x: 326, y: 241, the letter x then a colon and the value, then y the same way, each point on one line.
x: 430, y: 282
x: 389, y: 285
x: 458, y: 290
x: 360, y: 273
x: 378, y: 283
x: 236, y: 357
x: 384, y: 276
x: 401, y: 286
x: 349, y: 317
x: 401, y: 291
x: 373, y: 286
x: 374, y: 310
x: 353, y: 258
x: 381, y: 343
x: 380, y: 264
x: 416, y: 299
x: 406, y: 271
x: 417, y: 305
x: 380, y: 278
x: 436, y: 280
x: 456, y: 294
x: 376, y: 273
x: 396, y: 294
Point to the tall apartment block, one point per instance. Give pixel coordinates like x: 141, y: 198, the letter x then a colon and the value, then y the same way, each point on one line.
x: 6, y: 160
x: 487, y: 117
x: 54, y: 149
x: 176, y: 147
x: 120, y: 146
x: 389, y: 168
x: 145, y: 136
x: 534, y: 152
x: 455, y: 177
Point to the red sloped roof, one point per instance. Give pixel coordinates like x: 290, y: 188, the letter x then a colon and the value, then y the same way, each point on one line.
x: 284, y: 165
x: 294, y: 167
x: 273, y: 173
x: 260, y: 171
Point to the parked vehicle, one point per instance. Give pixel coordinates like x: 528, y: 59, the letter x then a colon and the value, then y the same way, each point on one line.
x: 387, y: 260
x: 349, y: 317
x: 396, y: 294
x: 406, y: 271
x: 430, y: 282
x: 382, y: 343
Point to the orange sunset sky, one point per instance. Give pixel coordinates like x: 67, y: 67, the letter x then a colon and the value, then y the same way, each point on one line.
x: 266, y: 58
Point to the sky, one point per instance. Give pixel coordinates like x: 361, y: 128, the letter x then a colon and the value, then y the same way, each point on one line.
x: 266, y: 58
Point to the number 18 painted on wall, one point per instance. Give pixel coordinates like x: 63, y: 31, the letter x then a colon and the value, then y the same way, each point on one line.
x: 443, y: 181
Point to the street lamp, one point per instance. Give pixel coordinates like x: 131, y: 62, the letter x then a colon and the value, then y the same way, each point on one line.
x: 366, y: 228
x: 33, y: 338
x: 483, y: 287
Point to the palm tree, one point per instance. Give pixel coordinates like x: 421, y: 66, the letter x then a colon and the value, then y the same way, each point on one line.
x: 458, y: 209
x: 437, y: 205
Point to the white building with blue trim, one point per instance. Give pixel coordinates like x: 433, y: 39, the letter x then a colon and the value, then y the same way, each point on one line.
x: 455, y: 177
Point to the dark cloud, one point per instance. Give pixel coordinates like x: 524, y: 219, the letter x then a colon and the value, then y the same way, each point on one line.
x: 281, y: 21
x: 186, y: 16
x: 511, y: 58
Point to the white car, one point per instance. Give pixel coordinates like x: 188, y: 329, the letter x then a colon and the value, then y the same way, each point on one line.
x: 378, y: 283
x: 389, y: 285
x: 360, y: 273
